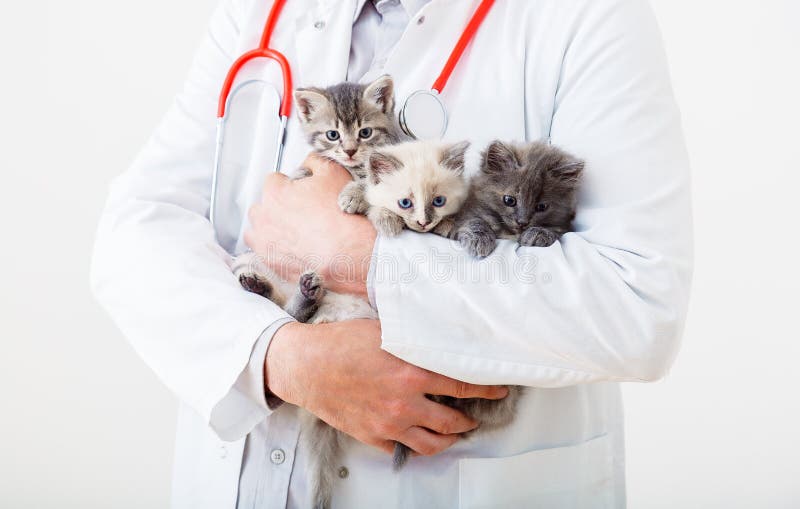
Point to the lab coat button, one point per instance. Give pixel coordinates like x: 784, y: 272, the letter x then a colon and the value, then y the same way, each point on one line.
x: 420, y: 20
x: 343, y: 473
x: 277, y: 456
x: 319, y: 25
x: 223, y: 452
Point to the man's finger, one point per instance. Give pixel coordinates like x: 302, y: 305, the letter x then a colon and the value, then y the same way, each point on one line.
x: 323, y: 168
x: 274, y: 183
x: 258, y: 215
x: 317, y: 165
x: 254, y: 214
x: 443, y: 386
x: 445, y: 420
x: 426, y: 443
x: 386, y: 446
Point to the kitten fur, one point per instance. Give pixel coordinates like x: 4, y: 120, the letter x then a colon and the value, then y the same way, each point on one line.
x: 358, y: 117
x: 307, y: 302
x: 526, y: 192
x: 427, y: 175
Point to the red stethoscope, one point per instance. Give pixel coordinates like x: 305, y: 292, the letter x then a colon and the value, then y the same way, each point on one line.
x: 422, y: 116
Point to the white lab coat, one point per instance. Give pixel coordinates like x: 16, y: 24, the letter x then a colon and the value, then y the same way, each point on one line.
x: 605, y: 304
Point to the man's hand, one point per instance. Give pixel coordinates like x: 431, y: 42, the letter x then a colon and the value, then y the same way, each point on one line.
x: 338, y: 372
x: 298, y: 225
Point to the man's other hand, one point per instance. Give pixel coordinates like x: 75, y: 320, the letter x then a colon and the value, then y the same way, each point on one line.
x: 338, y: 372
x: 298, y: 225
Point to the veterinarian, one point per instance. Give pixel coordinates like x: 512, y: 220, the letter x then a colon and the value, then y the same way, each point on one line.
x: 604, y: 305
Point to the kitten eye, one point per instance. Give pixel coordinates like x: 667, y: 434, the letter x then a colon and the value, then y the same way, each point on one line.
x: 439, y: 201
x: 405, y: 203
x: 509, y: 201
x: 541, y: 207
x: 365, y: 133
x: 332, y: 135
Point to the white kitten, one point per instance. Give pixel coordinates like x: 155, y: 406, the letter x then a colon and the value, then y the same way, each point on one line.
x: 418, y: 185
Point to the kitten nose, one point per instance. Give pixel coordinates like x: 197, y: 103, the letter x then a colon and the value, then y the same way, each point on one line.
x: 522, y: 223
x: 350, y: 151
x: 423, y: 224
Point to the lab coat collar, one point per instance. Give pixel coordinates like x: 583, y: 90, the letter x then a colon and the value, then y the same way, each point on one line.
x: 412, y: 7
x: 359, y: 8
x: 328, y: 25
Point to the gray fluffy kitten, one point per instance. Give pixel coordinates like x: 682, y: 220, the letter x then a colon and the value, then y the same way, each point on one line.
x: 526, y: 192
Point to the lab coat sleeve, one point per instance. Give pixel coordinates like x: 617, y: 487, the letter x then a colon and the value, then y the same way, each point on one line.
x: 608, y: 301
x: 158, y: 270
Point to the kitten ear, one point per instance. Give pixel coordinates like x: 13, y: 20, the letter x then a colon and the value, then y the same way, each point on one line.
x: 380, y: 165
x: 498, y: 157
x: 569, y: 171
x: 310, y: 103
x: 453, y: 157
x: 380, y: 93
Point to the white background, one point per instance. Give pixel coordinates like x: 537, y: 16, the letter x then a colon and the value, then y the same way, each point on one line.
x: 85, y: 424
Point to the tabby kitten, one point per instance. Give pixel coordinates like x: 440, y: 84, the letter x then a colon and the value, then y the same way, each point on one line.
x: 417, y: 185
x: 344, y: 123
x: 526, y: 192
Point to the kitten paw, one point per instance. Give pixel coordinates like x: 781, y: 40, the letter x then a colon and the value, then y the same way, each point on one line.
x: 351, y: 199
x: 537, y: 237
x: 445, y: 227
x: 311, y: 286
x: 479, y: 244
x: 386, y: 222
x: 255, y: 284
x: 390, y: 228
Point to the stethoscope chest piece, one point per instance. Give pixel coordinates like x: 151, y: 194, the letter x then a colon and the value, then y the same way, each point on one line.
x: 423, y: 116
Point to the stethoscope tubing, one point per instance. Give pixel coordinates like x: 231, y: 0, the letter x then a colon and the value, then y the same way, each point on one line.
x: 286, y: 71
x: 221, y: 122
x: 228, y: 93
x: 466, y: 36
